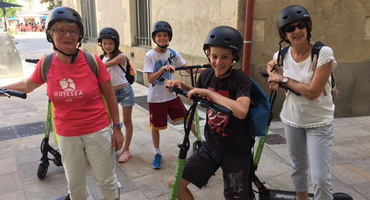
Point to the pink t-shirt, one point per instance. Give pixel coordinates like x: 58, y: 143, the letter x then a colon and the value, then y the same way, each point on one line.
x: 75, y: 93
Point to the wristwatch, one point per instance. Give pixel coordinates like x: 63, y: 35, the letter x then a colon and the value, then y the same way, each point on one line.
x: 285, y: 80
x: 119, y: 125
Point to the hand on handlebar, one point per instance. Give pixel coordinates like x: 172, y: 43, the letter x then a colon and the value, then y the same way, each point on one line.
x: 172, y: 83
x: 196, y: 67
x: 274, y: 82
x: 169, y: 68
x: 176, y: 86
x: 201, y: 100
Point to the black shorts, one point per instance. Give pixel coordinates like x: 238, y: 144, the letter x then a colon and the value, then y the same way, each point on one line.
x: 204, y: 163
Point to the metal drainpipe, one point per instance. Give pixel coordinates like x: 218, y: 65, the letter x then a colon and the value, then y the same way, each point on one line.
x: 248, y: 27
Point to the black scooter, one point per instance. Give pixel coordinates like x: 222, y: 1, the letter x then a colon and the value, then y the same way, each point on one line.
x: 45, y: 146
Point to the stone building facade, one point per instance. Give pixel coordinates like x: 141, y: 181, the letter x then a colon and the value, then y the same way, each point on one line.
x: 343, y: 25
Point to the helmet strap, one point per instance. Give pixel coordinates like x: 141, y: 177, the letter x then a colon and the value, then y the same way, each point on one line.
x: 69, y: 55
x: 163, y: 48
x: 228, y: 72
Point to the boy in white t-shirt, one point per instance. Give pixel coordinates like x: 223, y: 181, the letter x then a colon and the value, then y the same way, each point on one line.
x: 159, y: 65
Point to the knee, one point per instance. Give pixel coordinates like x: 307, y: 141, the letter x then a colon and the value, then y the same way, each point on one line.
x: 182, y: 185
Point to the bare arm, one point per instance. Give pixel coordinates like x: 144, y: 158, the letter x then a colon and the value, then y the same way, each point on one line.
x: 311, y: 91
x: 271, y: 69
x: 239, y: 107
x: 152, y: 77
x: 26, y: 86
x: 110, y: 97
x: 179, y: 84
x: 120, y: 59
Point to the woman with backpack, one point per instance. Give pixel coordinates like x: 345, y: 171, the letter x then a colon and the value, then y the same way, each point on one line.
x: 307, y: 113
x: 116, y: 63
x: 82, y: 124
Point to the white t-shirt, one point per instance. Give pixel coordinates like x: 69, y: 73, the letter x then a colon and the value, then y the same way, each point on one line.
x: 153, y: 62
x: 118, y: 76
x: 299, y: 111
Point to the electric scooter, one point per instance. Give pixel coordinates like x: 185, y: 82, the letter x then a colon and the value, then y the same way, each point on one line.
x: 45, y: 146
x: 193, y: 77
x: 184, y: 147
x: 270, y: 194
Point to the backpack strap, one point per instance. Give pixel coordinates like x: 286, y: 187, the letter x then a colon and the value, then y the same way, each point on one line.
x: 128, y: 65
x: 120, y: 66
x: 314, y: 58
x: 208, y: 75
x: 315, y: 54
x: 45, y: 65
x: 281, y: 55
x: 93, y: 64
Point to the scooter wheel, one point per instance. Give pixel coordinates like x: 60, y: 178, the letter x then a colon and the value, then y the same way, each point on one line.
x: 341, y: 196
x: 42, y: 170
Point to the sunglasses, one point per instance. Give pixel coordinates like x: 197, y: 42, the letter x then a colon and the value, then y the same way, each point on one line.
x: 291, y: 28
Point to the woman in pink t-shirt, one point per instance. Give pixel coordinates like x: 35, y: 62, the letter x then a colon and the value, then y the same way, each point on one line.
x: 82, y: 123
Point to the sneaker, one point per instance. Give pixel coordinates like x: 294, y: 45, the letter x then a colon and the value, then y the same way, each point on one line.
x: 156, y: 164
x: 125, y: 156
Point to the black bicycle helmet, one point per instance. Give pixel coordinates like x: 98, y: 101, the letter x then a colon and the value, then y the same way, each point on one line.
x: 63, y: 14
x: 290, y: 15
x: 162, y: 26
x: 226, y: 37
x: 109, y: 33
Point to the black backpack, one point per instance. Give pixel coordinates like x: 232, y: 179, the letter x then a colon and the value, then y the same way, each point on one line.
x: 130, y: 74
x: 314, y: 57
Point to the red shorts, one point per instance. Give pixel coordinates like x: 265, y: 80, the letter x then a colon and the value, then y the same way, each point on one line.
x: 159, y: 111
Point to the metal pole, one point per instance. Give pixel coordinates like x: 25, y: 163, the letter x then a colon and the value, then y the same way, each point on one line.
x: 249, y: 8
x: 3, y: 7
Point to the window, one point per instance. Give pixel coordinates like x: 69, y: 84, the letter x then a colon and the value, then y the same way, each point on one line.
x: 143, y: 37
x: 89, y: 19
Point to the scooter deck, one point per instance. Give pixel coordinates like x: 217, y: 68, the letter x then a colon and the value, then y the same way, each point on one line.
x: 283, y: 195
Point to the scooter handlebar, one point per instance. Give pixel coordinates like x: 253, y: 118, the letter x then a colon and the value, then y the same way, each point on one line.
x: 35, y: 61
x: 14, y: 93
x: 193, y: 67
x: 266, y: 75
x: 203, y: 102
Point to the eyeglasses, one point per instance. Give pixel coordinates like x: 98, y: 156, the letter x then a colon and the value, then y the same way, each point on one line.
x: 63, y: 32
x: 291, y: 28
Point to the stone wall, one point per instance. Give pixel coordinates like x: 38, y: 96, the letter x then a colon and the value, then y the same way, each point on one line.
x: 10, y: 61
x: 344, y: 25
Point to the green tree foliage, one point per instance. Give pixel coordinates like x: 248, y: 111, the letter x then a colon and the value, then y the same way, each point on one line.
x: 52, y: 3
x: 9, y: 12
